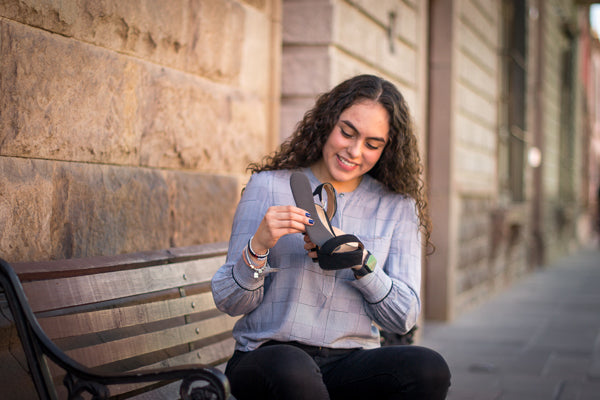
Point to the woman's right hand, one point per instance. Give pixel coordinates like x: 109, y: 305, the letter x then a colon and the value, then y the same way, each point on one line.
x: 277, y: 222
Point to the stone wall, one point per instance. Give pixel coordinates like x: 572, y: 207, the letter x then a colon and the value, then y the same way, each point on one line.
x: 127, y: 126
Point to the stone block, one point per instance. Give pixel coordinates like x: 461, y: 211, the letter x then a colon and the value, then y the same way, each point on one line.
x: 477, y: 76
x: 292, y: 112
x: 201, y: 207
x: 65, y: 100
x: 260, y: 54
x: 53, y: 210
x: 103, y: 210
x: 476, y: 103
x: 307, y: 22
x: 26, y: 209
x: 307, y: 69
x: 195, y: 125
x: 214, y: 39
x: 203, y: 37
x: 401, y: 17
x: 482, y: 20
x: 477, y: 47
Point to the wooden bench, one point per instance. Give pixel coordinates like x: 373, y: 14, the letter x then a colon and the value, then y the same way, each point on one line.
x: 141, y: 324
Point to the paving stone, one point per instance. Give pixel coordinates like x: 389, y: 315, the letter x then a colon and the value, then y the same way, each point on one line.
x: 594, y: 371
x: 578, y: 390
x: 530, y: 387
x: 529, y: 362
x: 566, y: 366
x: 466, y: 386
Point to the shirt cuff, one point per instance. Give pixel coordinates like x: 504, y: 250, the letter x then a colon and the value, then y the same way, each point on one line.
x: 374, y: 286
x: 244, y: 276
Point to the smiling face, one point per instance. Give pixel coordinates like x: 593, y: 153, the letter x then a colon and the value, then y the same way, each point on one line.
x: 354, y: 145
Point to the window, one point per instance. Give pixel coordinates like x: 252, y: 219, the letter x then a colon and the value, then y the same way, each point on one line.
x: 567, y: 124
x: 512, y: 135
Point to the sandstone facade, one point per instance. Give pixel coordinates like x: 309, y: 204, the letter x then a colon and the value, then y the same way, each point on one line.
x: 127, y: 126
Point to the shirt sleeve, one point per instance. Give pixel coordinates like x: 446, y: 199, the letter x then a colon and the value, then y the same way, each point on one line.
x: 235, y: 289
x: 391, y: 292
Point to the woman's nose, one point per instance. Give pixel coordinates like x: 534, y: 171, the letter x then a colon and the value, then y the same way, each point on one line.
x: 354, y: 148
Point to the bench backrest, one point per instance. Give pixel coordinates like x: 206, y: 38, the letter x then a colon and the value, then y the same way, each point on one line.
x: 133, y: 311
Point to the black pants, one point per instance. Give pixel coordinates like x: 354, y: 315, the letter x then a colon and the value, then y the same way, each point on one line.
x: 291, y: 371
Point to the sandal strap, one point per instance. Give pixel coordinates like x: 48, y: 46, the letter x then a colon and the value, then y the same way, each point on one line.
x: 331, y: 198
x: 330, y: 260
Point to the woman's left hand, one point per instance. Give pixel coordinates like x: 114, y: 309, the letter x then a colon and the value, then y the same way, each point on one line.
x: 311, y: 248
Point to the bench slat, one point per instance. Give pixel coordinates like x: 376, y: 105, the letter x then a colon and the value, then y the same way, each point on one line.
x: 67, y: 292
x: 105, y: 353
x: 103, y: 320
x: 40, y: 270
x: 210, y: 355
x: 213, y: 354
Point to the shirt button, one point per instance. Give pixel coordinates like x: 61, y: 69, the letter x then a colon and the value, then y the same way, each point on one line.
x: 341, y: 194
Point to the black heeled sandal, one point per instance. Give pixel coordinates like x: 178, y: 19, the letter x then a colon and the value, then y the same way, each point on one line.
x: 334, y: 252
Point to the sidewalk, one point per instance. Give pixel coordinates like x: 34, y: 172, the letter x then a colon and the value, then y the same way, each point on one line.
x: 539, y: 339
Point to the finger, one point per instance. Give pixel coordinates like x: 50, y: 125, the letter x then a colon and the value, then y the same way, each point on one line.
x: 292, y: 213
x: 310, y: 247
x: 309, y: 241
x: 311, y: 251
x: 279, y: 221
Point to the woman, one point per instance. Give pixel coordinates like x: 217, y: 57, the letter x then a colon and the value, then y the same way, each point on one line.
x: 309, y: 333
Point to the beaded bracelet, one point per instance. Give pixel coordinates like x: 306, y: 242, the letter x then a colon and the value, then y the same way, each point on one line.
x: 258, y: 270
x: 260, y: 257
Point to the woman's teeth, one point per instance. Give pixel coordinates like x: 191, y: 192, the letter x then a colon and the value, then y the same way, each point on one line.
x: 346, y: 162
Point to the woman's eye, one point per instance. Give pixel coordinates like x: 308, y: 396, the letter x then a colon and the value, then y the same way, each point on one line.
x: 345, y: 134
x: 372, y: 146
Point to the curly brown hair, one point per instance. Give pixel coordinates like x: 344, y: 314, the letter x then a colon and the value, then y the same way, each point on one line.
x: 399, y: 168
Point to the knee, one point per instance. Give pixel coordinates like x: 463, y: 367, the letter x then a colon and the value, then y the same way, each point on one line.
x: 289, y: 364
x: 292, y: 367
x: 293, y: 374
x: 431, y: 370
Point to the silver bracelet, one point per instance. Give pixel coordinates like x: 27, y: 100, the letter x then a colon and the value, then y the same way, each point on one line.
x: 260, y: 257
x: 258, y: 270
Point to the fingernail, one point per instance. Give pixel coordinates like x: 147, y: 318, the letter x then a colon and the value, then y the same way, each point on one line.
x: 310, y: 221
x: 307, y: 214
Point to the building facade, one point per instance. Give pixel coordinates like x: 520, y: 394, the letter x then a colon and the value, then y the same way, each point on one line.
x: 128, y: 126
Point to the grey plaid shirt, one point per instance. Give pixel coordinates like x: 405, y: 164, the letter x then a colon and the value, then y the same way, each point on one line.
x: 301, y: 302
